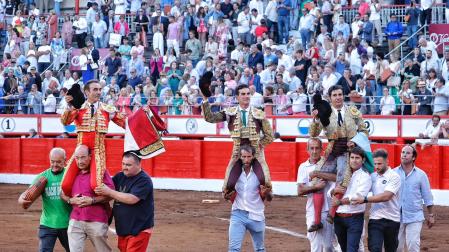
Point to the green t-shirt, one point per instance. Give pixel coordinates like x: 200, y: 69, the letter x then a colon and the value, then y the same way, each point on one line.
x: 55, y: 212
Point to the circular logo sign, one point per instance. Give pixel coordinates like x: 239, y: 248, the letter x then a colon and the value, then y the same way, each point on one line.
x: 369, y: 126
x: 8, y: 124
x: 303, y: 126
x: 191, y: 126
x: 75, y: 61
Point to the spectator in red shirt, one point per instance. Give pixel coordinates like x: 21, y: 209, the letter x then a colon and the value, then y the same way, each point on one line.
x: 261, y: 29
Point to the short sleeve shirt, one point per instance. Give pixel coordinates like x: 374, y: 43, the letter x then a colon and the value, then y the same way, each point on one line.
x: 133, y: 219
x: 389, y: 181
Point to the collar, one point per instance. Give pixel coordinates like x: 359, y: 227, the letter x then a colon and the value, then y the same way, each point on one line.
x: 383, y: 175
x: 247, y: 110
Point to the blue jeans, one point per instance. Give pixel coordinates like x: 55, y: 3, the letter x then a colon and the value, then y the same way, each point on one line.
x: 305, y: 37
x: 98, y: 43
x: 48, y: 236
x: 414, y: 40
x: 384, y: 232
x: 283, y: 28
x: 58, y: 8
x: 349, y: 231
x: 240, y: 222
x: 379, y: 94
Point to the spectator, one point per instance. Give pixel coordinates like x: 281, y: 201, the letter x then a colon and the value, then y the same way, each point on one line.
x: 44, y: 56
x: 34, y: 100
x: 444, y: 130
x: 298, y: 101
x: 99, y: 30
x: 255, y: 57
x: 141, y: 20
x: 113, y: 65
x: 429, y: 63
x: 424, y: 99
x: 80, y: 27
x: 432, y: 129
x: 53, y: 25
x: 283, y: 10
x: 135, y: 63
x: 342, y: 27
x: 441, y: 97
x: 329, y: 78
x: 49, y: 102
x: 244, y: 26
x: 121, y: 27
x: 173, y: 34
x: 306, y: 26
x: 33, y: 134
x: 406, y: 96
x: 412, y: 24
x: 194, y: 45
x: 394, y: 32
x: 426, y: 11
x: 58, y: 51
x: 18, y: 100
x: 367, y: 30
x: 67, y: 31
x: 387, y: 103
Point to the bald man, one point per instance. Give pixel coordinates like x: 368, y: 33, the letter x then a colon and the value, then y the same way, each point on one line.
x: 90, y: 214
x: 55, y: 211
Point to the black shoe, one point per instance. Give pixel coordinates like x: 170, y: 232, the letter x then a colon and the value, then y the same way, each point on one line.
x: 315, y: 227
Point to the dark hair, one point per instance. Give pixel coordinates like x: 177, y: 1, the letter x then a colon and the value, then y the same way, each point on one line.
x: 436, y: 116
x: 357, y: 151
x: 131, y: 154
x: 248, y: 148
x: 414, y: 152
x: 380, y: 153
x: 334, y: 88
x: 240, y: 87
x: 87, y: 85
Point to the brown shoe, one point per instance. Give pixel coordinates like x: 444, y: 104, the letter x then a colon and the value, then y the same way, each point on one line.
x: 315, y: 227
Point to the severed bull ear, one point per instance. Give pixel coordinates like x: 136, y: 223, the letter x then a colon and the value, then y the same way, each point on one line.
x: 205, y: 82
x: 78, y: 96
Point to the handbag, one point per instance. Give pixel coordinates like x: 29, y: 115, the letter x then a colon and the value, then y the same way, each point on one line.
x: 386, y: 74
x: 355, y: 97
x: 407, y: 18
x: 115, y: 39
x: 394, y: 81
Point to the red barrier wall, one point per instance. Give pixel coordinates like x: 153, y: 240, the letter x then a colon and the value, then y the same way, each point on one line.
x: 203, y: 159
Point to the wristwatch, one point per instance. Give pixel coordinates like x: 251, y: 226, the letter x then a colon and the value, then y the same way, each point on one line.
x: 365, y: 200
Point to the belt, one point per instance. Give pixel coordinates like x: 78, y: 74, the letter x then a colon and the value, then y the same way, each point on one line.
x: 347, y: 215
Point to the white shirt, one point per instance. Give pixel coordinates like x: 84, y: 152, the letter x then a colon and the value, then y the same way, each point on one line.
x: 271, y: 12
x: 248, y: 197
x: 426, y: 4
x: 49, y: 104
x: 387, y: 105
x: 304, y: 171
x: 90, y: 15
x: 329, y: 81
x: 359, y: 186
x: 431, y: 130
x: 355, y: 27
x: 68, y: 83
x: 389, y: 181
x: 243, y: 22
x: 299, y: 102
x: 236, y: 54
x: 258, y: 5
x: 256, y: 100
x: 81, y: 24
x: 266, y: 76
x: 99, y: 29
x: 255, y: 19
x: 306, y: 22
x: 286, y: 61
x: 44, y: 58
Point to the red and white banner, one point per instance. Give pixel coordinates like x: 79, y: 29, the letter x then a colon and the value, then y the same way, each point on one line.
x: 439, y: 33
x: 75, y: 58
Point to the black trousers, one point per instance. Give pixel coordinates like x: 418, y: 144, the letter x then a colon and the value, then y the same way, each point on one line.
x: 81, y: 39
x: 383, y: 231
x: 426, y: 16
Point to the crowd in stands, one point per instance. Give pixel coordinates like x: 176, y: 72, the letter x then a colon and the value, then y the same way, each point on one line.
x: 285, y: 50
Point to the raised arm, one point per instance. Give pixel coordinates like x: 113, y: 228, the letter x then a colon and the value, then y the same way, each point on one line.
x: 210, y: 116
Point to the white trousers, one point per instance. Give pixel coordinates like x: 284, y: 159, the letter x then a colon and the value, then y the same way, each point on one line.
x: 173, y: 43
x: 410, y: 235
x: 321, y: 240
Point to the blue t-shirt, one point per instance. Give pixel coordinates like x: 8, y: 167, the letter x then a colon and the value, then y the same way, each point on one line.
x: 133, y: 219
x: 284, y: 11
x: 113, y: 65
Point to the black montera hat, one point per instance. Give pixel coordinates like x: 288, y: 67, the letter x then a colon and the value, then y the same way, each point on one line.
x: 78, y: 96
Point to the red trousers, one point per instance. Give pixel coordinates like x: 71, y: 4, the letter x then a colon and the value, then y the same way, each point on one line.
x: 131, y: 243
x: 95, y: 142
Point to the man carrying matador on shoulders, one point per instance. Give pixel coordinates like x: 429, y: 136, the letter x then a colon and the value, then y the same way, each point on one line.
x: 92, y: 119
x: 247, y: 126
x: 344, y: 128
